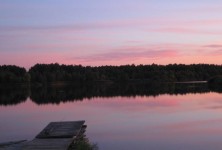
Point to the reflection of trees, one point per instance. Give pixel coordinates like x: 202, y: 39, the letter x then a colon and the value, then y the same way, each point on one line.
x: 44, y: 95
x: 194, y: 88
x: 60, y: 94
x: 13, y: 95
x: 215, y: 87
x: 77, y: 93
x: 215, y: 84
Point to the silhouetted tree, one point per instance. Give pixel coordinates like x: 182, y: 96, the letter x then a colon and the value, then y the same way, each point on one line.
x: 46, y: 73
x: 13, y: 74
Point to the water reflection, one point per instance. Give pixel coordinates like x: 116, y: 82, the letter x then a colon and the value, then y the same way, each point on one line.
x: 169, y: 121
x: 55, y: 95
x: 13, y: 95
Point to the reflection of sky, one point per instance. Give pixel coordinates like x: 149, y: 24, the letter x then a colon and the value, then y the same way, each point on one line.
x: 192, y: 121
x: 110, y: 32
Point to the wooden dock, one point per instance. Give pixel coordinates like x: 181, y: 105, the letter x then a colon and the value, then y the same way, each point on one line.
x: 61, y: 130
x: 55, y: 136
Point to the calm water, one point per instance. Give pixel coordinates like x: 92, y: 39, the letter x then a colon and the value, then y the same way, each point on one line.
x: 170, y: 118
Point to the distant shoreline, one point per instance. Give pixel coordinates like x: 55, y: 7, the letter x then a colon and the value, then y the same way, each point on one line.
x: 59, y: 75
x: 188, y: 82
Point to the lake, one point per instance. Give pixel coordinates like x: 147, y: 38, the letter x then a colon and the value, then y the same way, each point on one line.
x: 123, y: 117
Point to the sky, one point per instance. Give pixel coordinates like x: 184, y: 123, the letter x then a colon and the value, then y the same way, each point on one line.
x: 104, y: 32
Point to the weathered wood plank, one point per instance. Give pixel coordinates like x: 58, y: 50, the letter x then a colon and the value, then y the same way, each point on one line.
x: 48, y: 144
x: 61, y: 129
x: 14, y: 145
x: 55, y: 136
x: 11, y: 143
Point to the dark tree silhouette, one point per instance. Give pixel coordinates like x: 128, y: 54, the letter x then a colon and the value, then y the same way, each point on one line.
x: 48, y: 73
x: 13, y: 74
x: 44, y: 74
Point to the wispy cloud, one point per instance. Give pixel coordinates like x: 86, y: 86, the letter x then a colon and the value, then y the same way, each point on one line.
x: 213, y: 46
x: 211, y: 50
x: 182, y: 25
x: 129, y: 53
x: 217, y: 52
x: 183, y: 30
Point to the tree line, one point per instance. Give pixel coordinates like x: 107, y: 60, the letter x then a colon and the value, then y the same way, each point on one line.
x: 10, y: 74
x: 78, y: 74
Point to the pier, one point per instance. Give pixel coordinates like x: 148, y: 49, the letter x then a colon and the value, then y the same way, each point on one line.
x: 55, y: 136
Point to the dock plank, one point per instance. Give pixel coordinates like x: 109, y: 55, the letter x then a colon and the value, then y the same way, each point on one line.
x: 48, y: 144
x: 55, y: 136
x: 67, y: 129
x: 14, y: 145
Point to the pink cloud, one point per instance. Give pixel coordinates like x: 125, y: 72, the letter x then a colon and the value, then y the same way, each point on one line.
x: 215, y: 52
x: 209, y: 9
x: 210, y: 50
x: 187, y: 30
x: 213, y: 46
x: 130, y: 53
x: 61, y: 47
x: 28, y: 59
x: 206, y: 22
x: 131, y: 23
x: 74, y: 54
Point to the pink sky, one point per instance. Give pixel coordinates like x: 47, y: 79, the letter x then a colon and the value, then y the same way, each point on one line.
x: 103, y: 33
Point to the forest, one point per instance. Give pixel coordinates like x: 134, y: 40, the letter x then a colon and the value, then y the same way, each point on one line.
x: 44, y: 74
x: 11, y: 74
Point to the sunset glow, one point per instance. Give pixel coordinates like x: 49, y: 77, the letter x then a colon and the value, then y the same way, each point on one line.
x: 110, y: 32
